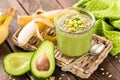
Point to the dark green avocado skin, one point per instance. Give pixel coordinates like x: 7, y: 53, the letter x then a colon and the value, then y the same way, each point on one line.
x: 45, y: 48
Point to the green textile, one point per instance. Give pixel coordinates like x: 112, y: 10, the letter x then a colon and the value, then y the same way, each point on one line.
x: 107, y: 14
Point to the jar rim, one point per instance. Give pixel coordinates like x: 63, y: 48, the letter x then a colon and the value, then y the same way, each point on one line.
x: 80, y: 9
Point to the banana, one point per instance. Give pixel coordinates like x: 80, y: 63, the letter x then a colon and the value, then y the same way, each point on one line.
x: 4, y: 27
x: 2, y: 18
x: 23, y: 20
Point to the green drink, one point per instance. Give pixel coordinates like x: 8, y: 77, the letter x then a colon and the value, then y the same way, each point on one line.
x: 74, y: 31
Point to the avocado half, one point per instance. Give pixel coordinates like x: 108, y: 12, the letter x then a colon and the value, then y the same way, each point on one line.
x: 46, y: 48
x: 17, y: 63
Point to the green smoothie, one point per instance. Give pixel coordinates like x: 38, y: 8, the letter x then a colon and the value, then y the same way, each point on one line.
x: 74, y: 31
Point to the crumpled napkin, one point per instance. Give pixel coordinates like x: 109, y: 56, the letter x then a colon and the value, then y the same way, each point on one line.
x: 107, y: 14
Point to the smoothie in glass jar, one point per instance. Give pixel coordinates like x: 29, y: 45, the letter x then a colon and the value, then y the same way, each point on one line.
x: 74, y: 28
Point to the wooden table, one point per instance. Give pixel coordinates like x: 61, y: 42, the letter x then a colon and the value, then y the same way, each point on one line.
x: 111, y: 64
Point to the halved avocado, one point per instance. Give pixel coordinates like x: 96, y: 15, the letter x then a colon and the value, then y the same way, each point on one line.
x: 17, y: 63
x: 43, y: 61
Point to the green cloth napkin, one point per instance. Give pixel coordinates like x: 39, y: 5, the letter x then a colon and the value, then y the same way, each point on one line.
x: 107, y: 14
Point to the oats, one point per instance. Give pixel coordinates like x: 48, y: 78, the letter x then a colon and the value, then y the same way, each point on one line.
x: 116, y: 56
x: 107, y: 72
x: 60, y: 78
x: 119, y: 61
x: 51, y: 78
x: 68, y: 78
x: 110, y: 76
x: 62, y: 74
x: 10, y: 77
x: 102, y: 69
x: 103, y: 73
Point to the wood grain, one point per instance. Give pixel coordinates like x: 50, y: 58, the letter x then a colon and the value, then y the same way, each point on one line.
x: 5, y: 47
x: 66, y: 3
x: 31, y: 6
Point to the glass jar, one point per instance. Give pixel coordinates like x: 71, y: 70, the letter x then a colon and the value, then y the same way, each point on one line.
x: 74, y: 43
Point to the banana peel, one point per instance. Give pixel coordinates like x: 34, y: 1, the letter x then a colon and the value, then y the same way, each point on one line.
x: 2, y: 18
x: 47, y: 36
x: 44, y: 21
x: 23, y: 20
x: 5, y: 20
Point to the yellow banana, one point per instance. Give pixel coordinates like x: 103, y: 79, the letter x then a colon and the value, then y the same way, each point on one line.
x: 4, y: 28
x: 2, y: 18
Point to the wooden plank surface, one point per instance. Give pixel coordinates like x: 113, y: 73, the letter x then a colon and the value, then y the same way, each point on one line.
x: 24, y: 7
x: 5, y: 48
x: 66, y: 3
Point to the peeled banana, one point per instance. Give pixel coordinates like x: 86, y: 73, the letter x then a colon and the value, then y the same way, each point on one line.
x: 5, y: 19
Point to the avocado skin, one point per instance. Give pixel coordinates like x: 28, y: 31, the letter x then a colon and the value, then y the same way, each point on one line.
x: 46, y: 47
x: 13, y: 71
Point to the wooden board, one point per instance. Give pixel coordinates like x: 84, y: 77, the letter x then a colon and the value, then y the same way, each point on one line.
x: 111, y: 64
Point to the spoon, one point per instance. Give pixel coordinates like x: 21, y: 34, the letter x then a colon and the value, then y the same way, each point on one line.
x: 94, y: 50
x: 97, y: 49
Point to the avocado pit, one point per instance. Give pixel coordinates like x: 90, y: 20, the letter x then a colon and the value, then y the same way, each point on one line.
x: 42, y: 63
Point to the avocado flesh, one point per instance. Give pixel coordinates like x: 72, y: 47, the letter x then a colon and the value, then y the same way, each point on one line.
x: 17, y: 63
x: 46, y: 48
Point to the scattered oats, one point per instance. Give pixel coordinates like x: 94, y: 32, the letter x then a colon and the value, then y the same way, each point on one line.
x: 116, y: 56
x: 119, y: 61
x: 10, y: 77
x: 102, y: 69
x: 60, y: 78
x: 51, y: 78
x: 103, y: 73
x: 13, y: 79
x: 107, y: 72
x: 110, y: 76
x: 62, y: 74
x: 68, y: 78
